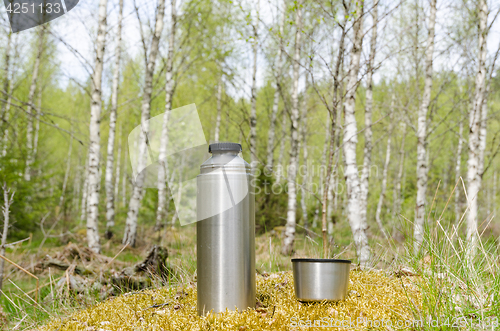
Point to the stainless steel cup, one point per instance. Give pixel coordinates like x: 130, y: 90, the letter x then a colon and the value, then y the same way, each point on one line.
x: 320, y: 279
x: 225, y: 232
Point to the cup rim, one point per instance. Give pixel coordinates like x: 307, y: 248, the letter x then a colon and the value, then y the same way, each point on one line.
x: 320, y: 260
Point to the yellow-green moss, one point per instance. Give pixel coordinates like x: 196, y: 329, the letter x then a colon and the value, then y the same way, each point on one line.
x: 372, y: 295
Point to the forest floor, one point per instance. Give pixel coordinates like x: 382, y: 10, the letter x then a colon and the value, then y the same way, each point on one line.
x: 79, y: 290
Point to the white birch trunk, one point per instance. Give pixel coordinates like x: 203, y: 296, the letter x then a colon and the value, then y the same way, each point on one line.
x: 365, y: 172
x: 253, y: 99
x: 37, y: 124
x: 110, y: 159
x: 6, y: 118
x: 130, y: 234
x: 77, y: 182
x: 305, y: 180
x: 384, y: 175
x: 457, y: 173
x: 85, y: 189
x: 117, y: 175
x: 422, y: 166
x: 31, y: 96
x: 219, y: 110
x: 280, y: 171
x: 397, y: 185
x: 66, y: 174
x: 483, y: 129
x: 289, y: 237
x: 94, y: 178
x: 276, y: 99
x: 162, y: 158
x: 475, y: 118
x: 5, y: 113
x: 124, y: 179
x: 6, y: 77
x: 358, y: 226
x: 6, y: 212
x: 494, y: 202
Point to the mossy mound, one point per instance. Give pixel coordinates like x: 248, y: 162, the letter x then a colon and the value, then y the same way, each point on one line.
x: 373, y: 296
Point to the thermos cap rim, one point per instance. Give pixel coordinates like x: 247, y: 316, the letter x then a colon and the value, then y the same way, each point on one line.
x: 224, y: 147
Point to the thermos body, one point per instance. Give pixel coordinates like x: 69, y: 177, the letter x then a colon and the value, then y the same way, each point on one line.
x: 226, y: 238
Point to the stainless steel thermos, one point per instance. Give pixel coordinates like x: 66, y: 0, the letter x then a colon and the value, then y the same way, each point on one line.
x: 225, y: 232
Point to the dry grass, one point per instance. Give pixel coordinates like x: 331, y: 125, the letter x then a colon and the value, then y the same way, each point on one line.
x: 372, y: 294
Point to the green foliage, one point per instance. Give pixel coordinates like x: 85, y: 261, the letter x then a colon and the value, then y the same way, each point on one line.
x: 271, y: 202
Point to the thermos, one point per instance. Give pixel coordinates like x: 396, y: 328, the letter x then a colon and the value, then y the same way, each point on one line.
x: 225, y: 232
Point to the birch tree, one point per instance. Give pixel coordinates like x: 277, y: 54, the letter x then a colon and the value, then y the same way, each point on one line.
x: 85, y: 189
x: 169, y: 89
x: 219, y: 110
x: 292, y: 168
x: 276, y: 97
x: 5, y: 113
x: 94, y: 177
x: 422, y: 165
x: 305, y: 179
x: 473, y: 164
x: 365, y: 172
x: 281, y: 155
x: 384, y: 174
x: 37, y: 123
x: 253, y: 97
x: 358, y: 225
x: 137, y: 194
x: 8, y: 200
x: 29, y: 108
x: 6, y: 77
x: 110, y: 196
x: 397, y: 183
x: 457, y: 171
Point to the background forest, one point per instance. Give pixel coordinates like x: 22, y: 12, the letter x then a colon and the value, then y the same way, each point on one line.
x: 370, y: 124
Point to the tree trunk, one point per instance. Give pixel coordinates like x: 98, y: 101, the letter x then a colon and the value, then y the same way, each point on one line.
x: 31, y: 96
x: 117, y: 174
x: 85, y: 191
x: 305, y: 181
x: 280, y: 171
x: 334, y: 117
x: 130, y: 235
x: 384, y: 174
x: 289, y: 237
x: 66, y: 174
x: 6, y: 78
x: 397, y: 184
x: 276, y: 99
x: 253, y: 100
x: 37, y: 124
x: 162, y: 158
x: 124, y: 179
x: 6, y: 211
x: 5, y: 113
x: 457, y: 173
x: 475, y: 118
x: 219, y: 110
x: 422, y: 166
x: 494, y: 202
x: 358, y: 226
x: 365, y: 172
x: 94, y: 178
x: 322, y: 169
x: 110, y: 197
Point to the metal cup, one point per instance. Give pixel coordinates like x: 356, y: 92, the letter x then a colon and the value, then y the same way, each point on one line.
x: 320, y: 279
